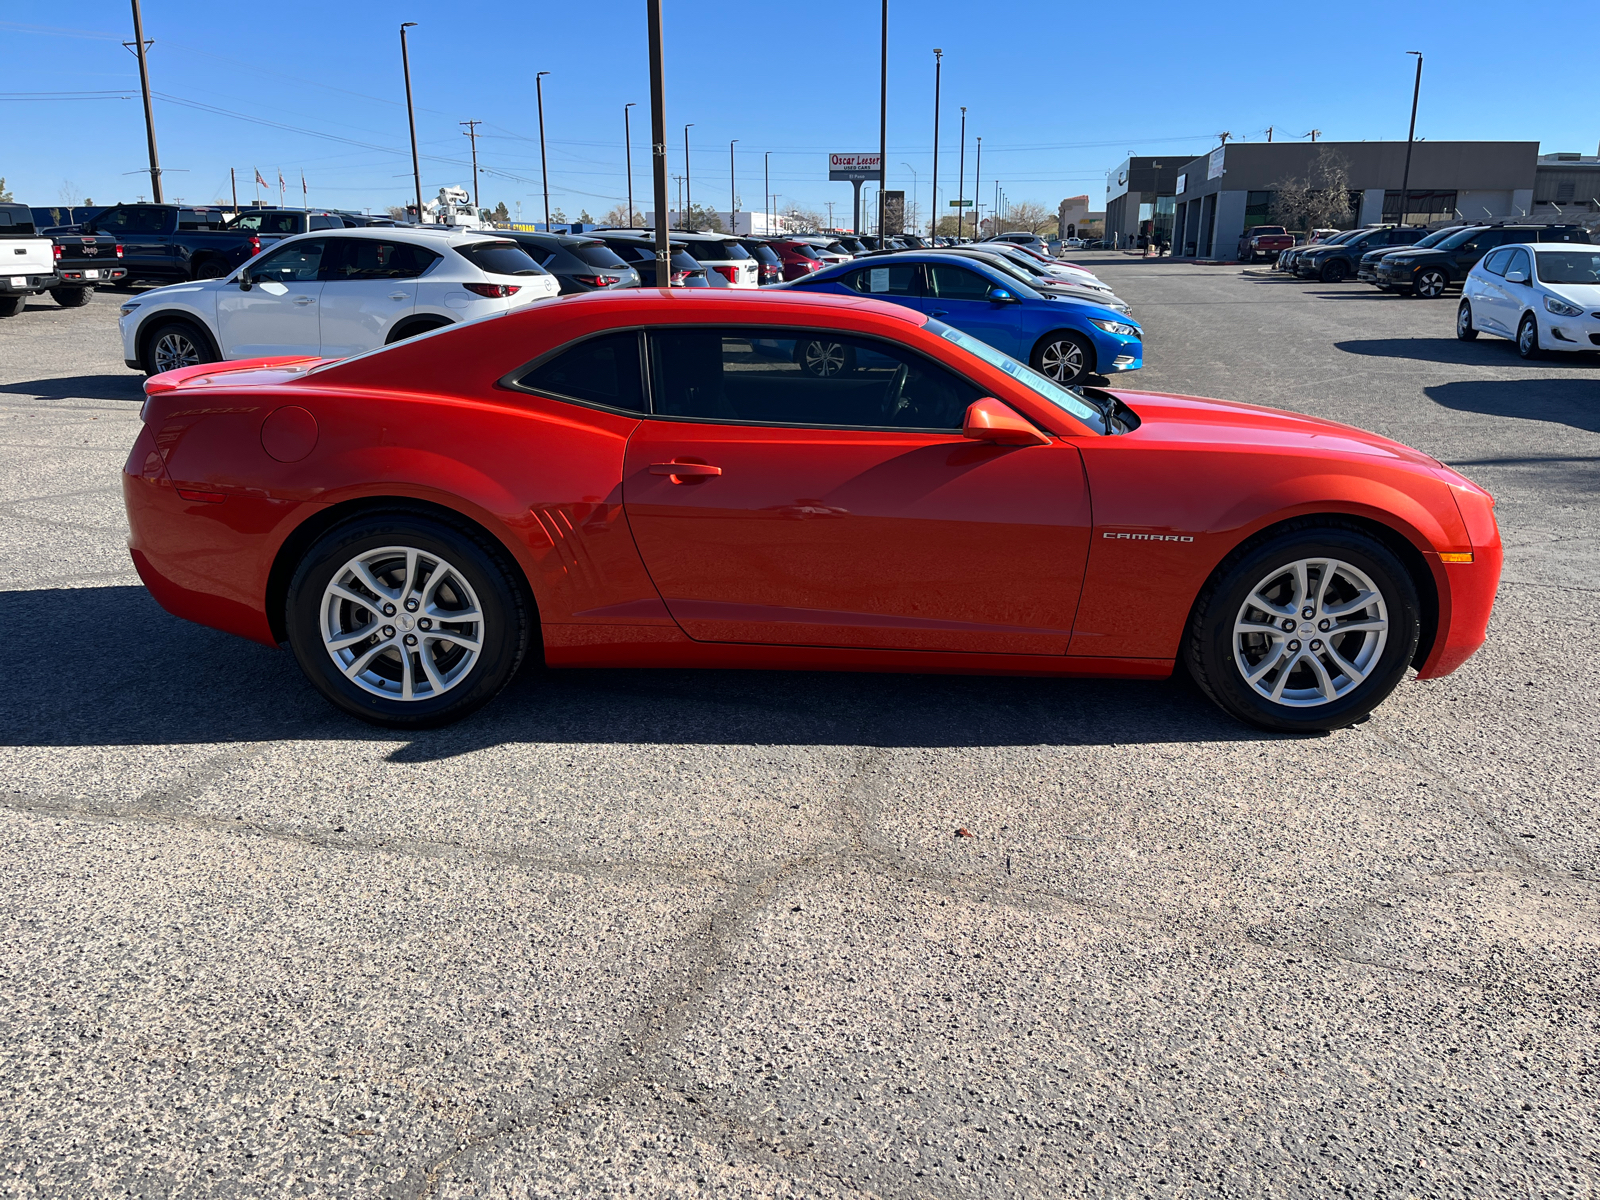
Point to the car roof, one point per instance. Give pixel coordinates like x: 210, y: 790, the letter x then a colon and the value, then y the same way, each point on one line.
x: 736, y: 303
x: 424, y: 233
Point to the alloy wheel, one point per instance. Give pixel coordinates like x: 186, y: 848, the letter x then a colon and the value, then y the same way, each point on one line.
x: 174, y: 349
x: 823, y: 358
x: 1528, y: 337
x: 401, y: 623
x: 1062, y: 360
x: 1310, y: 632
x: 1431, y: 285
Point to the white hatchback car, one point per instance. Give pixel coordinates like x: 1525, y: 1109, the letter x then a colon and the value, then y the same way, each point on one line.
x: 1544, y: 297
x: 332, y: 295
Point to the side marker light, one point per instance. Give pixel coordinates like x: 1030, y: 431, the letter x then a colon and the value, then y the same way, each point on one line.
x: 1456, y: 558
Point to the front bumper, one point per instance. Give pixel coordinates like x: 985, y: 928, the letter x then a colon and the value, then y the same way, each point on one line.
x: 1569, y: 333
x: 28, y: 285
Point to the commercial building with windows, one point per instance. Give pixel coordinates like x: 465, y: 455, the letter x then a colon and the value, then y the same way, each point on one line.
x: 1221, y: 194
x: 1139, y: 198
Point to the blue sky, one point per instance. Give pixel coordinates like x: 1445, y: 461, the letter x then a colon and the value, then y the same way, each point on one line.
x: 317, y: 89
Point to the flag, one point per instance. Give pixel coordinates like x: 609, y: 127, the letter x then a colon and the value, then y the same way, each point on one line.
x: 260, y: 182
x: 280, y: 180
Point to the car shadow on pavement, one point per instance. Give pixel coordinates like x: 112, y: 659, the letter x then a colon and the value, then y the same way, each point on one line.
x: 147, y: 678
x: 1485, y: 352
x: 127, y: 386
x: 1574, y: 402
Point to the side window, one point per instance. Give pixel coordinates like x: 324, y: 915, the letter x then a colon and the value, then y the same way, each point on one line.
x: 602, y: 370
x: 298, y: 262
x: 885, y: 281
x: 1519, y: 262
x: 811, y: 378
x: 956, y: 283
x: 130, y: 220
x: 368, y: 258
x: 1496, y: 263
x: 321, y: 221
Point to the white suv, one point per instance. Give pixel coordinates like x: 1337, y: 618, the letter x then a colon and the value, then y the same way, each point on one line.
x: 1544, y: 297
x: 332, y: 295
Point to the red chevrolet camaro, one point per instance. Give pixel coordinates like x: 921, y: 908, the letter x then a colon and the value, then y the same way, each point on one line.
x: 723, y: 479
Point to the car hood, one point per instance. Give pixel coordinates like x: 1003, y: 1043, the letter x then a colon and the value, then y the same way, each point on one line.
x: 1412, y: 255
x: 1200, y: 420
x: 1586, y: 294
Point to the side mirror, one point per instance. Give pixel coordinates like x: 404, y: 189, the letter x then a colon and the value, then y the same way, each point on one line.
x: 1000, y: 295
x: 244, y: 281
x: 990, y: 420
x: 1516, y: 277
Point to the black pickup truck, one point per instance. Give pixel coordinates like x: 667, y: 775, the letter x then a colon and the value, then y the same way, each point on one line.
x: 167, y: 243
x: 85, y: 261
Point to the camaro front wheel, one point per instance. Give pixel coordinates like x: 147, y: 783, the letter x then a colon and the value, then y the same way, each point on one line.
x: 406, y: 621
x: 1306, y: 632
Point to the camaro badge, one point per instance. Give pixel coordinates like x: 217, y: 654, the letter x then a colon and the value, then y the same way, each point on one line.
x: 1149, y: 537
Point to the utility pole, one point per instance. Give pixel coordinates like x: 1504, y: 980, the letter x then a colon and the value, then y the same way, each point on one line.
x: 733, y: 192
x: 627, y: 145
x: 233, y: 183
x: 1223, y: 138
x: 472, y: 132
x: 411, y: 116
x: 149, y: 113
x: 1405, y: 182
x: 1269, y: 134
x: 688, y: 181
x: 933, y: 200
x: 977, y: 179
x: 883, y: 116
x: 1313, y: 135
x: 766, y: 190
x: 544, y: 173
x: 961, y: 177
x: 658, y: 142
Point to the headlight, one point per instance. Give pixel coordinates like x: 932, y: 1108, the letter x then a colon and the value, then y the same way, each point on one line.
x: 128, y: 307
x: 1561, y: 308
x: 1116, y: 327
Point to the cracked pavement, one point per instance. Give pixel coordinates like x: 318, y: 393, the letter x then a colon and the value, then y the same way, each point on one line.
x: 685, y: 934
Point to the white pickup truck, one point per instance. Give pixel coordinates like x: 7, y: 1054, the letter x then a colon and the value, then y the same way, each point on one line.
x: 27, y: 261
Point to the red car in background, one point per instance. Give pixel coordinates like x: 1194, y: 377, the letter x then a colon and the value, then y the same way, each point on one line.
x: 655, y: 479
x: 1264, y: 241
x: 799, y: 259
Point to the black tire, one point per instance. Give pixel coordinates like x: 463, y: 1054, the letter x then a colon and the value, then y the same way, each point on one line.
x: 71, y: 297
x: 172, y: 344
x: 10, y: 306
x: 1528, y: 336
x: 208, y: 268
x: 412, y: 328
x: 1210, y: 650
x: 1430, y: 283
x: 1064, y: 356
x: 825, y: 360
x: 1334, y: 271
x: 503, y: 630
x: 1464, y: 329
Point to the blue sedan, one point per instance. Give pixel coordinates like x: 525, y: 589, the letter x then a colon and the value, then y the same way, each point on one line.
x: 1066, y: 338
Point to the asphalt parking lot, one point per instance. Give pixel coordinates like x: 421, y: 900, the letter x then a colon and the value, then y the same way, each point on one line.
x: 678, y: 934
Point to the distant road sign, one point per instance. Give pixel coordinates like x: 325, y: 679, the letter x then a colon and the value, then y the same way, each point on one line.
x: 853, y: 168
x: 961, y: 204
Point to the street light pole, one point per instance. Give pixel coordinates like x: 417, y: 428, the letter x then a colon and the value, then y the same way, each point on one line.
x: 1405, y: 180
x: 933, y: 199
x: 688, y: 181
x: 658, y: 143
x: 733, y: 192
x: 416, y: 163
x: 627, y: 144
x: 149, y: 113
x: 961, y: 176
x: 766, y: 191
x: 544, y: 174
x: 977, y: 176
x: 883, y: 116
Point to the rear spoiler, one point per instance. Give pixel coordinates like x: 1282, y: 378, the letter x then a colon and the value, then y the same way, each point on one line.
x: 169, y: 381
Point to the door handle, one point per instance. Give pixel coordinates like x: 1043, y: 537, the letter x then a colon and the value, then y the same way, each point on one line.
x: 397, y: 295
x: 940, y: 312
x: 304, y: 300
x: 682, y: 472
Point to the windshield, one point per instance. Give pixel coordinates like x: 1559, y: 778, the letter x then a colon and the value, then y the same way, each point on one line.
x: 1068, y: 400
x: 1569, y: 266
x: 1433, y: 239
x: 1458, y: 237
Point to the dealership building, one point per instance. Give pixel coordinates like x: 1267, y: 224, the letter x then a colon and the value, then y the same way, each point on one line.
x: 1201, y: 206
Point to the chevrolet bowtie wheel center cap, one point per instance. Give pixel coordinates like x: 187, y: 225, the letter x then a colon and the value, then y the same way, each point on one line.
x: 407, y: 622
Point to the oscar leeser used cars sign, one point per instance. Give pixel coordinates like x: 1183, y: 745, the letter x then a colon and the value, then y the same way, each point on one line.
x: 854, y: 168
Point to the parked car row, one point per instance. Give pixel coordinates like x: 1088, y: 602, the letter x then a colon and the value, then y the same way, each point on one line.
x: 1413, y: 260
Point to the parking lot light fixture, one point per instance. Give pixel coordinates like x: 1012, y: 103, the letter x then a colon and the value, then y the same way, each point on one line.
x: 544, y: 174
x: 411, y: 116
x: 1405, y: 178
x: 977, y: 175
x: 627, y: 149
x: 933, y: 198
x: 766, y: 190
x: 883, y: 114
x: 961, y: 176
x: 688, y: 181
x: 733, y: 192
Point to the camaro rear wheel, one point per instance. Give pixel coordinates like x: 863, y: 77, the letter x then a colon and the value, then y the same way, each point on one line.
x: 1309, y: 631
x: 405, y: 621
x: 1464, y: 329
x: 1065, y: 357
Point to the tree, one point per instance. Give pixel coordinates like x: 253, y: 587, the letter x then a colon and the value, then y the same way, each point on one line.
x: 499, y: 214
x: 1319, y: 201
x: 700, y: 218
x: 584, y: 218
x: 618, y: 215
x: 397, y: 211
x: 1028, y: 217
x: 5, y: 196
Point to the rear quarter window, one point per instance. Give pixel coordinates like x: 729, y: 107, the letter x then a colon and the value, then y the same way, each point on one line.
x: 597, y: 254
x: 500, y: 258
